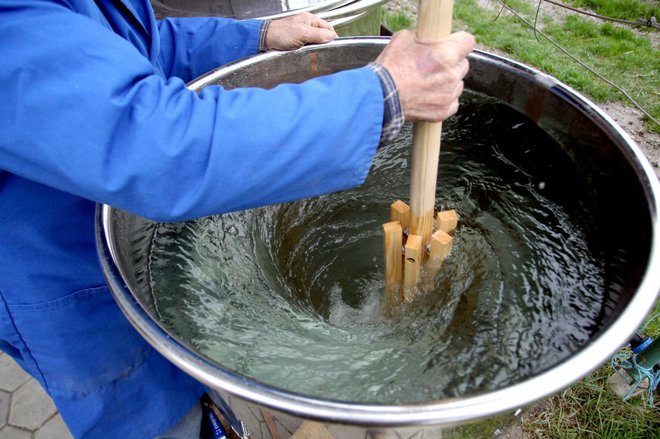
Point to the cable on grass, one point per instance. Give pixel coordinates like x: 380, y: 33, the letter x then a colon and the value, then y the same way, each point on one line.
x: 577, y: 60
x: 623, y: 361
x: 536, y: 20
x: 651, y: 22
x: 499, y: 13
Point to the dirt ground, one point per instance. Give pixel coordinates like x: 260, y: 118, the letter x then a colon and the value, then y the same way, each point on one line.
x: 630, y: 119
x: 626, y: 116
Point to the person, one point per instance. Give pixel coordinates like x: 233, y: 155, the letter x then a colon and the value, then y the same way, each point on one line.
x: 94, y: 108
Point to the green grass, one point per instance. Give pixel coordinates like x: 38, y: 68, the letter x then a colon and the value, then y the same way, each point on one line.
x: 623, y: 9
x: 397, y: 22
x: 653, y: 328
x: 586, y: 410
x: 589, y: 410
x: 613, y: 51
x: 482, y: 429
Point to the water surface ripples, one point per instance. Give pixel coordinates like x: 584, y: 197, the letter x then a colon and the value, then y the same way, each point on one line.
x: 290, y: 295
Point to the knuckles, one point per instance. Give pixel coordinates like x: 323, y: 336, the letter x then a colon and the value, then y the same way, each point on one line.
x: 429, y: 75
x: 306, y: 34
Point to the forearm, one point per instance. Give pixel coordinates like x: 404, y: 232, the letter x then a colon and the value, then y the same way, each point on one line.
x: 168, y: 154
x: 154, y: 147
x: 192, y: 46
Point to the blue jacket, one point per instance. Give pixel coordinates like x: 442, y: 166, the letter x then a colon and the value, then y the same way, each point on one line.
x: 93, y: 108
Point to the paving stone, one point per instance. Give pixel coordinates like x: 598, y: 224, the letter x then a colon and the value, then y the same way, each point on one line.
x: 55, y: 428
x: 10, y: 432
x: 30, y: 407
x: 11, y: 375
x: 340, y: 431
x: 5, y: 400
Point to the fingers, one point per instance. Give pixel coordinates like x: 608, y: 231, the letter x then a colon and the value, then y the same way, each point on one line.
x: 295, y: 31
x: 458, y: 90
x: 429, y: 76
x: 317, y: 35
x: 456, y: 47
x: 464, y: 42
x: 312, y: 20
x: 450, y: 111
x: 463, y: 68
x: 319, y: 22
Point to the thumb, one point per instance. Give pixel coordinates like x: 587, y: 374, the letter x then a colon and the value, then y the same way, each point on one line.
x: 460, y: 44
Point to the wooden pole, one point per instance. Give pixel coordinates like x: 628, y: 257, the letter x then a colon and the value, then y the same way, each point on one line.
x: 433, y: 23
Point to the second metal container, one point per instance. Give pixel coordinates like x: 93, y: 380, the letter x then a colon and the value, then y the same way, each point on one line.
x: 349, y: 17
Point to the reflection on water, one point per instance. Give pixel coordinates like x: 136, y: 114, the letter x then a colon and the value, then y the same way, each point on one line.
x: 290, y: 295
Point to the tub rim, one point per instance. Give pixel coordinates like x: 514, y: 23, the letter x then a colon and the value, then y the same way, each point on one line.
x: 323, y: 6
x: 451, y: 411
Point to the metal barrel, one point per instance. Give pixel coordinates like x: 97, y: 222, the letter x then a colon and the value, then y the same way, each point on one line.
x: 349, y: 17
x: 618, y: 174
x: 241, y: 9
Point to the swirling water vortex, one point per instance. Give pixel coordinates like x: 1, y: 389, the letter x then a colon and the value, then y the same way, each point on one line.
x: 291, y: 295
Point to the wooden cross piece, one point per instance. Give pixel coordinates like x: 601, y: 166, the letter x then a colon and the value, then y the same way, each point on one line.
x: 412, y: 226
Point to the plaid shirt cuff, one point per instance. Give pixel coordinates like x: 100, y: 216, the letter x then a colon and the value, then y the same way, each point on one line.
x: 263, y: 30
x: 393, y: 117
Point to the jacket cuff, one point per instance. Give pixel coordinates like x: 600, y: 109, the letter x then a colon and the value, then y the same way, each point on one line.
x: 263, y: 30
x: 254, y: 35
x: 393, y: 117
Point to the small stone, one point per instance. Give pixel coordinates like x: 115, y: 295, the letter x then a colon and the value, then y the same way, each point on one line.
x: 286, y: 424
x: 10, y: 432
x: 5, y: 400
x: 55, y: 428
x: 620, y: 383
x: 11, y: 375
x: 343, y: 432
x: 31, y: 407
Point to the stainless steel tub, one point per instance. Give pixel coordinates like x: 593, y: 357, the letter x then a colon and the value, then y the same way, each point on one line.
x: 349, y: 17
x: 626, y: 188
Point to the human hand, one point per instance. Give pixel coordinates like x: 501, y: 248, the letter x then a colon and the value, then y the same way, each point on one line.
x: 296, y: 31
x: 428, y: 75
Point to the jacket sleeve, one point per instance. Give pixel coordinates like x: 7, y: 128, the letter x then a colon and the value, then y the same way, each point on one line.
x: 192, y: 46
x: 85, y: 113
